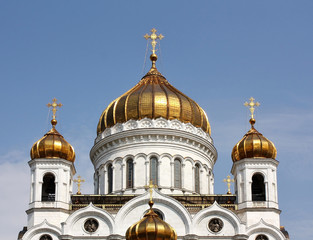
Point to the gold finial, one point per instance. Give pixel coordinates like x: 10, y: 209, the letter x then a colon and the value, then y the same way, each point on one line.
x: 79, y: 181
x: 153, y: 38
x: 54, y: 106
x: 151, y: 186
x: 251, y: 105
x: 228, y: 182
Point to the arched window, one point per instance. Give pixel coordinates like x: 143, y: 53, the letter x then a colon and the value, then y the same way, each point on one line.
x: 48, y: 188
x: 177, y: 173
x: 110, y: 178
x: 197, y: 178
x: 258, y: 188
x: 130, y: 173
x: 154, y: 170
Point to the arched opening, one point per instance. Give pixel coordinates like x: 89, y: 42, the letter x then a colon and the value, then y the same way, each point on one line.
x: 197, y: 178
x: 48, y: 188
x: 177, y: 173
x: 154, y: 170
x: 130, y: 173
x: 258, y: 188
x: 110, y: 178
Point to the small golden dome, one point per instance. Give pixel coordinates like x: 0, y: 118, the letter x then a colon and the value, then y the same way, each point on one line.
x: 151, y: 227
x: 153, y: 97
x: 253, y: 145
x: 53, y: 145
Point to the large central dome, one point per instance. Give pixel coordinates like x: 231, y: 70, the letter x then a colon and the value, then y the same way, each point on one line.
x: 153, y: 97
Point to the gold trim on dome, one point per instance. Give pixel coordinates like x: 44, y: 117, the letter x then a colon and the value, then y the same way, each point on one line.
x: 153, y: 97
x: 151, y: 226
x: 253, y: 144
x: 53, y: 144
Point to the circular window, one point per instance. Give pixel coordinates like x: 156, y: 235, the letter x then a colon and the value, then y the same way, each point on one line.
x: 91, y: 225
x: 45, y: 237
x: 261, y: 237
x: 216, y: 225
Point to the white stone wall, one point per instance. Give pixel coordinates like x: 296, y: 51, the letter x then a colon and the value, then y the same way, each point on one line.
x: 55, y: 211
x: 253, y: 211
x: 186, y: 225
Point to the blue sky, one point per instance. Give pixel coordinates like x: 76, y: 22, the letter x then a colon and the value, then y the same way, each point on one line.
x: 219, y: 53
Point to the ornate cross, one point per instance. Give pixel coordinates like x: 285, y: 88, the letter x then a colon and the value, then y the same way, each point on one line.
x: 251, y: 105
x: 153, y: 38
x: 228, y: 182
x: 151, y: 186
x: 79, y: 181
x: 54, y: 106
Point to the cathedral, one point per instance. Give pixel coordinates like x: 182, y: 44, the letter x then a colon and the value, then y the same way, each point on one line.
x: 153, y: 158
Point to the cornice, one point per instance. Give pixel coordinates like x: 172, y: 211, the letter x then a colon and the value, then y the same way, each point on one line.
x: 146, y: 136
x: 158, y: 123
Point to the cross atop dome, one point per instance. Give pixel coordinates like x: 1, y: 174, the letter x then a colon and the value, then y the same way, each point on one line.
x: 251, y: 105
x: 54, y: 106
x: 153, y: 37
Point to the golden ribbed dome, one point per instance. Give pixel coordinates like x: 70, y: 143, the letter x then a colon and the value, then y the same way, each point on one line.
x: 153, y: 97
x: 253, y: 145
x: 53, y: 145
x: 151, y: 227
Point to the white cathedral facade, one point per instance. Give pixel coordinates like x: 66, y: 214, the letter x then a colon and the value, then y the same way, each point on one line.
x: 153, y: 135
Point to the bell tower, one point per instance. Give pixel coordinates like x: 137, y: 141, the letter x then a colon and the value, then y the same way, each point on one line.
x: 52, y: 170
x: 255, y: 173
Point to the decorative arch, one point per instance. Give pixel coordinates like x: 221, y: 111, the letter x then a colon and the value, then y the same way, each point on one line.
x: 264, y: 228
x: 161, y: 201
x: 43, y: 228
x: 78, y: 217
x: 216, y: 210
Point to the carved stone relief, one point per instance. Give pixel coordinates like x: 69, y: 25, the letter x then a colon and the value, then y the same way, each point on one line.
x: 216, y: 225
x: 91, y: 225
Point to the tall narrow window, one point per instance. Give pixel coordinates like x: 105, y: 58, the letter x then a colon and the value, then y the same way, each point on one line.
x: 110, y: 178
x: 154, y: 170
x: 130, y: 173
x: 258, y: 188
x: 197, y: 178
x: 177, y: 173
x: 48, y: 188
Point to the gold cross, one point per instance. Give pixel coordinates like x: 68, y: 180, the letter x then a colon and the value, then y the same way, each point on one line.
x: 153, y: 38
x: 54, y: 106
x: 251, y: 105
x: 228, y: 182
x: 79, y: 181
x: 151, y: 186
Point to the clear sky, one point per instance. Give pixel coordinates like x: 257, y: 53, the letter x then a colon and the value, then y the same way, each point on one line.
x: 219, y: 53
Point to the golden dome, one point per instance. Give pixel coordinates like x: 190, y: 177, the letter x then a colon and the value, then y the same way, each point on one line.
x: 253, y: 145
x: 53, y: 145
x: 153, y: 97
x: 151, y: 227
